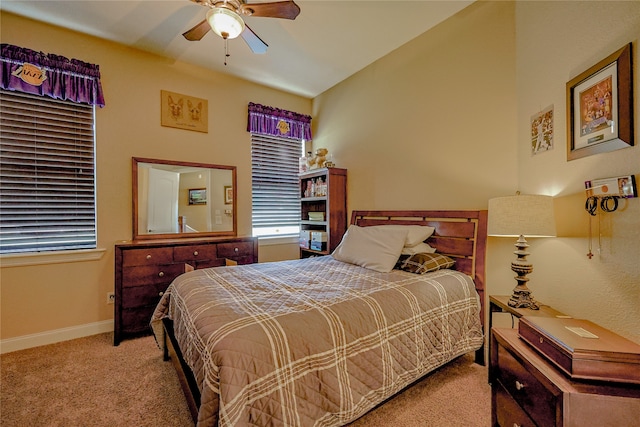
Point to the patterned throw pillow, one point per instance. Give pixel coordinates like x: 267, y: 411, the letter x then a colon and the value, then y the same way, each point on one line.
x: 424, y: 262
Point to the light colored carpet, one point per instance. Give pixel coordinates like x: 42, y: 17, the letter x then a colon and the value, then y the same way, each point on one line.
x: 89, y: 382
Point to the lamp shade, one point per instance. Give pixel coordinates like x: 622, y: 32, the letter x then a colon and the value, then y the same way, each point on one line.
x: 527, y: 215
x: 225, y: 22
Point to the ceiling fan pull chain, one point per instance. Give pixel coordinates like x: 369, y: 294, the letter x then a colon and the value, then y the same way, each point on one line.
x: 226, y: 51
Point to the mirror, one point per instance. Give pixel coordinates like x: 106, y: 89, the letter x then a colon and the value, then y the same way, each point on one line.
x: 180, y: 199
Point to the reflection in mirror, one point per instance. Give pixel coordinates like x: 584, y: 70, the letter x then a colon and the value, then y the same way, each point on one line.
x: 181, y: 199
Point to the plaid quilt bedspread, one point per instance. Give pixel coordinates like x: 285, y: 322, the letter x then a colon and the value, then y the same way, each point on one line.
x: 314, y: 342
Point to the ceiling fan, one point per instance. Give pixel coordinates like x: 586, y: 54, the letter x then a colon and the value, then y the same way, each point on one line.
x: 225, y: 19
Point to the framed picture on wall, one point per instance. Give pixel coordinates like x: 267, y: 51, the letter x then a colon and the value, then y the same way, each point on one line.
x: 197, y: 196
x: 542, y: 131
x: 600, y: 107
x: 184, y: 112
x: 228, y: 194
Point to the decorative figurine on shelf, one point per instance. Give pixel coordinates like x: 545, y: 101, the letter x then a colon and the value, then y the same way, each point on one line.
x: 303, y: 163
x: 329, y: 162
x: 319, y: 160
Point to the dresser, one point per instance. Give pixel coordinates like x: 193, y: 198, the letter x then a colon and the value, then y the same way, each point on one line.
x: 527, y: 390
x: 144, y: 270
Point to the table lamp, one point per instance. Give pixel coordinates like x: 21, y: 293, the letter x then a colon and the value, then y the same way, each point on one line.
x: 520, y: 216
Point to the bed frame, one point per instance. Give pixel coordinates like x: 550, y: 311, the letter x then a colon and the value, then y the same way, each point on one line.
x: 459, y: 234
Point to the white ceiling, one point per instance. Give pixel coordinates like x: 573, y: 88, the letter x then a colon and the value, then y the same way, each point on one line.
x: 328, y: 42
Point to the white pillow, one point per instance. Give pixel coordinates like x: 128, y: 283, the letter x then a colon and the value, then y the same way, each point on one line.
x: 420, y: 248
x: 416, y: 234
x: 375, y: 248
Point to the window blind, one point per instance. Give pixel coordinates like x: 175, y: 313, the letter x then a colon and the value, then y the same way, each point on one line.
x: 47, y: 174
x: 275, y: 188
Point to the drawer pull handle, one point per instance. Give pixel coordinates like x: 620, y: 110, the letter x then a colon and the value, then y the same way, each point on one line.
x: 235, y: 249
x: 160, y: 293
x: 161, y: 274
x: 519, y: 385
x: 195, y: 253
x: 148, y: 256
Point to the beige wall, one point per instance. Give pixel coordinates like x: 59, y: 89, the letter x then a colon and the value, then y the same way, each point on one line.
x: 555, y: 42
x: 431, y: 125
x: 42, y: 298
x: 443, y: 122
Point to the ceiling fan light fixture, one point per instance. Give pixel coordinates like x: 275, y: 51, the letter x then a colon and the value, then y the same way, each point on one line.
x: 225, y: 22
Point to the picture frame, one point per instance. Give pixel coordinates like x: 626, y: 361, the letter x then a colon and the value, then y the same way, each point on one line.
x: 228, y: 194
x: 542, y: 131
x: 600, y: 107
x: 184, y: 112
x: 197, y: 196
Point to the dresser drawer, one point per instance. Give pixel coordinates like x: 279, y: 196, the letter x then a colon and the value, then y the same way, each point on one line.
x: 147, y: 256
x: 235, y: 250
x: 154, y: 274
x: 539, y: 402
x: 194, y: 253
x: 137, y: 321
x: 508, y: 413
x: 207, y: 263
x: 139, y: 296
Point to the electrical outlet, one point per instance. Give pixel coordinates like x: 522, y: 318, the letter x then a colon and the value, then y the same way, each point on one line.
x: 111, y: 297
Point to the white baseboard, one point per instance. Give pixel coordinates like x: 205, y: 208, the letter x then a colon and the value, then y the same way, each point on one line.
x: 54, y: 336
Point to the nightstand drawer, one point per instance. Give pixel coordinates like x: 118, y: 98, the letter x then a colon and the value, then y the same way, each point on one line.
x: 147, y: 256
x: 527, y: 391
x: 508, y: 413
x: 145, y: 275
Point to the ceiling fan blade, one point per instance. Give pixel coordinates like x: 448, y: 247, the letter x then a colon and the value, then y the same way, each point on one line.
x: 197, y: 32
x: 255, y: 43
x: 279, y: 9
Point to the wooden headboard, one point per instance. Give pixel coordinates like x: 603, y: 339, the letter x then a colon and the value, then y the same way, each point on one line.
x: 459, y: 234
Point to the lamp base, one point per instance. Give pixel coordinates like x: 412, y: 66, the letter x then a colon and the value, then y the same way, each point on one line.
x: 523, y: 299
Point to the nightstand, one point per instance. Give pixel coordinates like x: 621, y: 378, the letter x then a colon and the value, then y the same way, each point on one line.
x: 500, y: 304
x: 527, y: 390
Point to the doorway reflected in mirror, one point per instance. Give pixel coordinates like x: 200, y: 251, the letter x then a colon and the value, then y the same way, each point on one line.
x: 182, y: 199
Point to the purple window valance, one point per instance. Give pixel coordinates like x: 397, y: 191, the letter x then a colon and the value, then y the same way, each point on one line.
x: 39, y: 73
x: 276, y: 122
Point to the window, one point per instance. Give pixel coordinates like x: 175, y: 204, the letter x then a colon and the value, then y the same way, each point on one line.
x: 47, y: 178
x: 275, y: 191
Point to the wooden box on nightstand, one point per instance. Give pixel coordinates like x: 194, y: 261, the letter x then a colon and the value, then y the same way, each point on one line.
x: 582, y: 349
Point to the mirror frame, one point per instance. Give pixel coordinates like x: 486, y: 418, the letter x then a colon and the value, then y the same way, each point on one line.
x: 134, y: 180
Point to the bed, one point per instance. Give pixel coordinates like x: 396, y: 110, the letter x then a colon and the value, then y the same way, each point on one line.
x: 321, y: 341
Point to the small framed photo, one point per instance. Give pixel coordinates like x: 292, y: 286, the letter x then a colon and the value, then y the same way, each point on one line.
x: 228, y: 194
x: 542, y: 131
x: 600, y: 107
x: 197, y: 196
